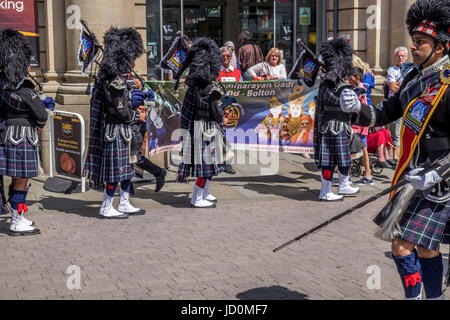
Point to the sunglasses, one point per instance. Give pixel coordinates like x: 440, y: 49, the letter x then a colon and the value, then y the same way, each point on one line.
x: 226, y: 56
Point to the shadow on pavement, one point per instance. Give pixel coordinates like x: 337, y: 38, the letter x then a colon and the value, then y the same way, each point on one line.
x: 311, y: 166
x: 271, y: 293
x: 4, y: 224
x: 261, y: 179
x: 271, y: 179
x: 170, y: 199
x: 294, y: 193
x: 83, y: 208
x: 86, y: 208
x: 306, y: 176
x: 382, y: 179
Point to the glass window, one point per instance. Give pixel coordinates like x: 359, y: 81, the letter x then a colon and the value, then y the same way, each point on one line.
x: 171, y: 24
x: 282, y: 21
x: 153, y: 39
x: 203, y: 19
x: 284, y: 31
x: 257, y: 16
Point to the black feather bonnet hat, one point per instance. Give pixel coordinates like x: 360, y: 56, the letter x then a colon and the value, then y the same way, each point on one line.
x: 431, y: 17
x: 122, y: 46
x: 337, y: 58
x: 15, y: 57
x: 204, y: 62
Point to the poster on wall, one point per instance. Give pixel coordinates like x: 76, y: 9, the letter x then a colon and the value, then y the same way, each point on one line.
x: 67, y: 137
x: 169, y: 32
x: 305, y: 16
x: 22, y: 16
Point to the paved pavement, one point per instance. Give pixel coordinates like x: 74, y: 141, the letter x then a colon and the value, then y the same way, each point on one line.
x: 175, y: 252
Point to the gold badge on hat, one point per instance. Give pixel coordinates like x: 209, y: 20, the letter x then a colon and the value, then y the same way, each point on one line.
x: 445, y: 74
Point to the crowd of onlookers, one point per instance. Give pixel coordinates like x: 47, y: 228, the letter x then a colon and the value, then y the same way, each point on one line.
x: 247, y: 63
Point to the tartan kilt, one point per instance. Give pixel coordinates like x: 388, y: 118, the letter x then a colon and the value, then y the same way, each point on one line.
x: 116, y: 166
x: 426, y: 223
x: 334, y: 150
x: 20, y: 160
x: 202, y: 170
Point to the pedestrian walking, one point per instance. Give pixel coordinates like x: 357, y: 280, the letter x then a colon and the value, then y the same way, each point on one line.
x: 140, y: 94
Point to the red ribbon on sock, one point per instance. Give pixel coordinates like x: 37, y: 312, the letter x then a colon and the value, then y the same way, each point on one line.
x: 22, y: 208
x: 201, y: 182
x: 413, y: 279
x: 327, y: 174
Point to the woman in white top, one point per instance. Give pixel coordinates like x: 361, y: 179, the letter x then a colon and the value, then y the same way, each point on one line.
x: 271, y: 69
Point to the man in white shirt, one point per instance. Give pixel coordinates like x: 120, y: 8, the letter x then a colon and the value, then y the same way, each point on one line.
x: 394, y: 80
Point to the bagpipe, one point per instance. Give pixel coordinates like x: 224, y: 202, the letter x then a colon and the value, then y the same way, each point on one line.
x: 89, y: 53
x: 307, y: 66
x: 176, y: 58
x: 47, y: 102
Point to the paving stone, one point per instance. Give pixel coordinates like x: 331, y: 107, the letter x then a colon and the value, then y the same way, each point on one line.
x: 175, y: 252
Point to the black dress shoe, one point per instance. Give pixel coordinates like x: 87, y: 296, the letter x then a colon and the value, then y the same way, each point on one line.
x: 392, y: 163
x: 160, y: 180
x: 24, y: 233
x: 385, y: 165
x: 230, y: 170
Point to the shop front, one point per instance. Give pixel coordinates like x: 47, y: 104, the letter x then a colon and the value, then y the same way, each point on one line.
x: 273, y: 23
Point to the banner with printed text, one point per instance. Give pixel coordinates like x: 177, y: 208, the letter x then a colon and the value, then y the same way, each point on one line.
x: 22, y: 15
x: 271, y: 116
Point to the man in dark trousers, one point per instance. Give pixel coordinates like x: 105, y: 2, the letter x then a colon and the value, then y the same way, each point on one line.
x: 139, y: 97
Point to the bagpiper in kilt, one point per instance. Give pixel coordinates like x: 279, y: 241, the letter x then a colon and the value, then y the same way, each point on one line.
x: 206, y: 168
x: 201, y: 116
x: 423, y: 103
x: 108, y: 159
x: 332, y: 127
x: 23, y: 112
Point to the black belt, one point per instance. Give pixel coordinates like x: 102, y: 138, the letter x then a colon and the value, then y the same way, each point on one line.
x: 435, y: 144
x: 340, y: 116
x: 25, y: 116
